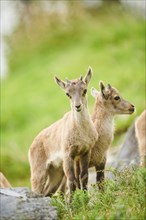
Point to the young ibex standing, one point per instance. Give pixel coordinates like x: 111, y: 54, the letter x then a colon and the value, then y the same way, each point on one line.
x: 140, y: 129
x: 57, y: 149
x: 108, y: 104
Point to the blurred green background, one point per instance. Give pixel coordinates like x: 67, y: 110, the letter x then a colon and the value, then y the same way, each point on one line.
x: 109, y: 38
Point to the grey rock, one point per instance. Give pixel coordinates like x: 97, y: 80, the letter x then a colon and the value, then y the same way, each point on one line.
x: 22, y: 204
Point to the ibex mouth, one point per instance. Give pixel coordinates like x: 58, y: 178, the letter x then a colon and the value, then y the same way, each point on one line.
x: 78, y: 110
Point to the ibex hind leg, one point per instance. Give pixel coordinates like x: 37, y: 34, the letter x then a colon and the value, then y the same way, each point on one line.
x: 62, y: 187
x: 39, y: 178
x: 55, y: 176
x: 37, y: 160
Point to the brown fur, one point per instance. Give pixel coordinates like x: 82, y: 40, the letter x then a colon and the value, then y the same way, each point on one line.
x: 140, y: 129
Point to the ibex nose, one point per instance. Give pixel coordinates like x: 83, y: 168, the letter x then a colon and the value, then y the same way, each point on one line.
x: 132, y: 108
x: 78, y: 108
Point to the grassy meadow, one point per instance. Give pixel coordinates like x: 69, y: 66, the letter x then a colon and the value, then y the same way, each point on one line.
x: 123, y: 199
x: 111, y: 40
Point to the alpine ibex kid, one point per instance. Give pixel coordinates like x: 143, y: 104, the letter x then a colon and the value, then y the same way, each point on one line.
x: 108, y: 104
x: 57, y: 149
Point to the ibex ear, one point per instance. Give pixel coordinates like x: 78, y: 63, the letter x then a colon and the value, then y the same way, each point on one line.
x: 88, y: 76
x: 60, y: 82
x: 94, y: 92
x: 103, y: 91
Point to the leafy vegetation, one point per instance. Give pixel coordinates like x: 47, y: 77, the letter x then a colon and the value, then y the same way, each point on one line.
x: 110, y: 40
x: 123, y: 198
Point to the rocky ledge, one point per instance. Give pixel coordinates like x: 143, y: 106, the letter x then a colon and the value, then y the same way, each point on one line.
x: 21, y: 203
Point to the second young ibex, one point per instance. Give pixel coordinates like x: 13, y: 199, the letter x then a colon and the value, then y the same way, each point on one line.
x: 57, y: 149
x: 108, y: 103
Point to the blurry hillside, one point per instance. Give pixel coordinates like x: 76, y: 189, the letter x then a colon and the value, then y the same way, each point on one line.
x: 64, y: 43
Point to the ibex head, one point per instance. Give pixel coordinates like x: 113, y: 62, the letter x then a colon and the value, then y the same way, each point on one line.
x: 76, y: 90
x: 112, y: 99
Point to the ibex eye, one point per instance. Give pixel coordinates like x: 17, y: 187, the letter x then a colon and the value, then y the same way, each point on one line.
x: 68, y: 95
x: 117, y: 97
x: 85, y: 91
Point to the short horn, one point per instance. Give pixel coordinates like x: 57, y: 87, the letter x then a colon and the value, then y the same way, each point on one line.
x: 108, y: 86
x: 81, y: 78
x: 68, y: 81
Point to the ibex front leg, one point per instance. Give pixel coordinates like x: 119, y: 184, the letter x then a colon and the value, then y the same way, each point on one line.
x: 77, y: 173
x: 100, y: 174
x: 84, y: 170
x: 70, y: 174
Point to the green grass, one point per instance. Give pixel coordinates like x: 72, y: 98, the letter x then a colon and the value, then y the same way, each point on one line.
x: 123, y: 198
x: 110, y: 40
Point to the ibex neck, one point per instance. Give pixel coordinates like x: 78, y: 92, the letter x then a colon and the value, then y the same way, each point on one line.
x: 82, y: 116
x: 102, y: 114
